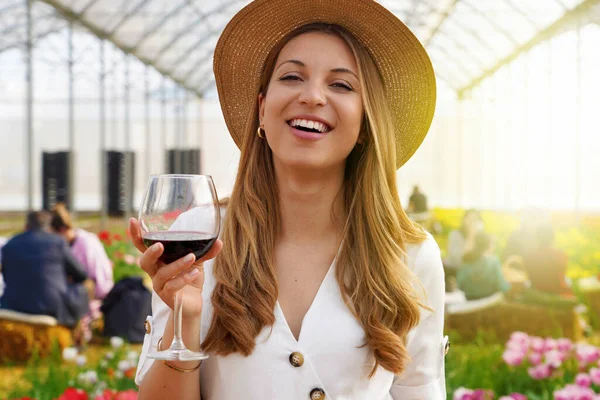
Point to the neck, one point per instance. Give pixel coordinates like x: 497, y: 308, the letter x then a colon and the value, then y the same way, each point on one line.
x: 312, y: 203
x: 70, y: 235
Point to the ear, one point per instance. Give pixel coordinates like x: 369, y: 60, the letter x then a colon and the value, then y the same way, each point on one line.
x: 261, y: 108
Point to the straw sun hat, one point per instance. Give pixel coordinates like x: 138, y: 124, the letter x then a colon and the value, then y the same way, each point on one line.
x: 403, y: 62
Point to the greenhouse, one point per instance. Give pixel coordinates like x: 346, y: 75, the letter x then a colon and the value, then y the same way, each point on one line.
x: 98, y: 96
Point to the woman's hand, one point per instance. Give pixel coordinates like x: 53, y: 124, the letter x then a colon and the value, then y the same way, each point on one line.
x: 184, y: 274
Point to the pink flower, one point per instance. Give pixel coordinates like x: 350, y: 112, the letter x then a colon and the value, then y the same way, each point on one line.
x: 517, y: 396
x: 583, y: 380
x: 520, y: 338
x: 535, y: 358
x: 595, y: 376
x: 513, y: 357
x: 555, y: 358
x: 506, y: 398
x: 587, y: 354
x: 540, y: 372
x: 574, y: 392
x: 537, y: 344
x: 462, y: 394
x: 550, y: 344
x: 129, y: 259
x: 564, y: 345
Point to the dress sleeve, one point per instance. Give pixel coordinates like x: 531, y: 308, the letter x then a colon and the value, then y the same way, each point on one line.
x: 424, y: 377
x: 155, y: 326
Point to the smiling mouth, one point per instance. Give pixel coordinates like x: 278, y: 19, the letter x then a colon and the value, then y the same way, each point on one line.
x: 309, y: 126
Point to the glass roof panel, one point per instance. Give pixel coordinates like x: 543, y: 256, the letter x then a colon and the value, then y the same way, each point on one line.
x: 465, y: 37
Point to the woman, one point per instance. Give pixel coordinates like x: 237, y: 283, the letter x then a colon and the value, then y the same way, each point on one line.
x: 481, y: 273
x: 87, y: 249
x: 318, y: 290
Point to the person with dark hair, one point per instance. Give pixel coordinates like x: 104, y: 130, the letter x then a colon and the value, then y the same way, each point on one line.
x: 546, y: 265
x: 481, y: 273
x: 42, y: 276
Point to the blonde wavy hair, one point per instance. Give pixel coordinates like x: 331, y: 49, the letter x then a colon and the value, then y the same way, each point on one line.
x: 370, y: 268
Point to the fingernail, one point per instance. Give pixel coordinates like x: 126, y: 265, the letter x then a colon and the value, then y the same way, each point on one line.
x: 156, y: 247
x: 189, y: 257
x: 193, y: 273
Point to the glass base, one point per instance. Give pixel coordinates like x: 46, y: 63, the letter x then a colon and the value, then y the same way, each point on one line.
x: 178, y: 355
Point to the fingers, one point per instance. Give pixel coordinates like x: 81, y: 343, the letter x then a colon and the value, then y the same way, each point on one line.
x: 193, y: 276
x: 212, y: 253
x: 149, y: 260
x: 166, y: 273
x: 136, y: 234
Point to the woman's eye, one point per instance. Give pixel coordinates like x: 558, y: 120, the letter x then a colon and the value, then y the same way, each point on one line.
x: 289, y: 78
x: 343, y: 86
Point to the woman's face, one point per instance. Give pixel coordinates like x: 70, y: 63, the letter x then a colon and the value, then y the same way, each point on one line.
x: 313, y: 109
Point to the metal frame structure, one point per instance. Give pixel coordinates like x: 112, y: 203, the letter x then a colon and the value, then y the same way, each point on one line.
x: 190, y: 68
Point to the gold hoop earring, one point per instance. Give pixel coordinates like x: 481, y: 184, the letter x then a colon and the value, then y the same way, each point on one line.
x: 259, y: 133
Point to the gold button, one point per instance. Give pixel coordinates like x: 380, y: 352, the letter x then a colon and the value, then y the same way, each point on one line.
x: 147, y: 327
x: 317, y: 394
x: 296, y: 359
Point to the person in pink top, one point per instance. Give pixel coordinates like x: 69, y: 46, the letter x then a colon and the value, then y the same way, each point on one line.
x: 89, y: 251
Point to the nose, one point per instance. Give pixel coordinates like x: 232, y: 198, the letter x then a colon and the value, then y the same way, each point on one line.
x: 312, y: 95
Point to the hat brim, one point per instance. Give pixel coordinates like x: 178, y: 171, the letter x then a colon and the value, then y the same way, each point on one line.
x: 408, y: 75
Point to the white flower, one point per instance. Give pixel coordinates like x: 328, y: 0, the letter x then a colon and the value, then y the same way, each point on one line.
x: 89, y: 377
x: 81, y: 360
x: 124, y: 365
x: 116, y: 342
x: 69, y: 353
x: 103, y: 364
x: 110, y: 355
x: 132, y: 356
x: 119, y: 374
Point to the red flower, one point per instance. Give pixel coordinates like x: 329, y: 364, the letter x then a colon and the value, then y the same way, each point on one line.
x: 106, y: 395
x: 104, y: 236
x: 73, y: 394
x: 118, y: 237
x: 130, y: 373
x: 126, y: 395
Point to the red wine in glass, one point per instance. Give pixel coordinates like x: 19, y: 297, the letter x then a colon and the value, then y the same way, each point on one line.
x: 178, y: 244
x: 183, y: 213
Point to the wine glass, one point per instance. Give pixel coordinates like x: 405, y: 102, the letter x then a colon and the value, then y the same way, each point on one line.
x: 181, y: 212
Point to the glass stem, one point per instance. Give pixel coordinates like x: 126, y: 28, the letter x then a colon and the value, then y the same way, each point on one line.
x: 177, y: 343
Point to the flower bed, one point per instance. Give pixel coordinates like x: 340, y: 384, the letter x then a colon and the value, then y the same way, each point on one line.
x: 70, y: 376
x: 527, y: 368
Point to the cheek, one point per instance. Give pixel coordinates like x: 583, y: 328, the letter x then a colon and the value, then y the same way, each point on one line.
x: 352, y: 118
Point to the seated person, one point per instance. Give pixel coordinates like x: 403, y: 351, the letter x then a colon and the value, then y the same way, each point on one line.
x: 546, y: 265
x: 481, y: 273
x: 461, y: 241
x: 42, y: 276
x: 87, y: 249
x: 418, y: 210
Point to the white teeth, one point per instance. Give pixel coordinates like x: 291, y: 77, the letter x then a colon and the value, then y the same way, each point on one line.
x: 321, y: 127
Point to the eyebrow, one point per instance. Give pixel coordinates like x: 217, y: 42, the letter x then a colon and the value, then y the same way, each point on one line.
x: 301, y: 64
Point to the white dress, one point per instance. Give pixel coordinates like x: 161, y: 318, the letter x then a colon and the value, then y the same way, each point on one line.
x: 333, y: 365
